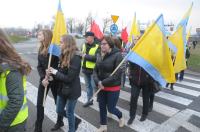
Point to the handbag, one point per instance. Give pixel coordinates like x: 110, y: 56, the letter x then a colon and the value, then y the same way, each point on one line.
x: 156, y: 87
x: 65, y: 90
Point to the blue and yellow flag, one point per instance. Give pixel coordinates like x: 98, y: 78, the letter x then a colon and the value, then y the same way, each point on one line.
x: 152, y: 53
x: 178, y: 41
x: 183, y: 24
x: 135, y: 30
x: 59, y: 30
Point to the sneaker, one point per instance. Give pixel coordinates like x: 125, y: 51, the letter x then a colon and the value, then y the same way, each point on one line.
x: 88, y: 104
x: 143, y: 118
x: 121, y: 122
x: 77, y: 122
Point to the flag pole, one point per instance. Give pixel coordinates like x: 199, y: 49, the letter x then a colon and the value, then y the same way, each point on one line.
x: 95, y: 94
x: 46, y: 77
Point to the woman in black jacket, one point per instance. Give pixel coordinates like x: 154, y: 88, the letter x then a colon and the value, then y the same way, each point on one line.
x: 67, y: 76
x: 44, y: 37
x: 107, y: 60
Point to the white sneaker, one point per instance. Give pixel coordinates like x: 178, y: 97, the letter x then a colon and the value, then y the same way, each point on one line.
x: 121, y: 122
x: 102, y: 128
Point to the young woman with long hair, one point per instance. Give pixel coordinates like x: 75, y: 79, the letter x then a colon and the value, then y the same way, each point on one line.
x: 13, y: 102
x: 67, y: 76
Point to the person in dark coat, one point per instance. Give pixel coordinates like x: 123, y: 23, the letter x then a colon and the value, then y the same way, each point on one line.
x: 107, y: 60
x: 67, y: 76
x: 44, y: 37
x: 139, y: 79
x: 13, y: 101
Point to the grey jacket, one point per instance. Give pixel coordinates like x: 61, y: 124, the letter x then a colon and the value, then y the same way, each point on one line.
x: 15, y: 92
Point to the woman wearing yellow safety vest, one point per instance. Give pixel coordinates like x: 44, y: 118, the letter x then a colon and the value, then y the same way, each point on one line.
x: 13, y: 102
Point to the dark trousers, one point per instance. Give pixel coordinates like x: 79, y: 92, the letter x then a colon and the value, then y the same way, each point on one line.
x: 108, y: 100
x: 181, y: 75
x: 135, y: 91
x: 151, y: 99
x: 40, y: 108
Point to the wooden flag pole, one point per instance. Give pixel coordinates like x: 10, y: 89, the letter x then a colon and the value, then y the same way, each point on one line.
x: 45, y: 89
x: 95, y: 94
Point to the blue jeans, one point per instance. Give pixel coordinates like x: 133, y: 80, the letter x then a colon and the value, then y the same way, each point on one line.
x: 89, y: 84
x: 108, y: 100
x: 69, y: 104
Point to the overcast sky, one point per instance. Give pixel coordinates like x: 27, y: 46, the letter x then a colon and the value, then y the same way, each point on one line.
x: 28, y: 13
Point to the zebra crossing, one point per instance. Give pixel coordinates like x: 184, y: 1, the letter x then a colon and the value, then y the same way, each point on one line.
x: 170, y: 111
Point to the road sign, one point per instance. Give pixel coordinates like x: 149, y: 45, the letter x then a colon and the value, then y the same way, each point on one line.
x: 114, y: 18
x: 113, y: 28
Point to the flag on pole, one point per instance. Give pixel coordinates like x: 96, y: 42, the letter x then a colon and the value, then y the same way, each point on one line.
x: 124, y: 35
x: 59, y: 30
x: 152, y: 53
x: 96, y: 30
x: 178, y: 41
x: 135, y: 31
x: 183, y: 23
x: 188, y: 34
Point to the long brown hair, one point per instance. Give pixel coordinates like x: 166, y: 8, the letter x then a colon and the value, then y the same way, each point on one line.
x: 9, y: 55
x: 68, y: 50
x: 46, y: 42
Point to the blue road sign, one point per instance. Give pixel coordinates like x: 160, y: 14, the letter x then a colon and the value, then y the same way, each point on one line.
x: 113, y: 28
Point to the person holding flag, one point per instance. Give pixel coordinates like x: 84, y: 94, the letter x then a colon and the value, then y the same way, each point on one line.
x: 67, y: 76
x: 44, y: 37
x: 107, y: 60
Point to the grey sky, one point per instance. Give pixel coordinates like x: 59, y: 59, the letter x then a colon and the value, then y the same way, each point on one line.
x: 27, y: 13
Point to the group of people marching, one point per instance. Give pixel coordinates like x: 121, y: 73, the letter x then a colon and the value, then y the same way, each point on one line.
x: 98, y: 60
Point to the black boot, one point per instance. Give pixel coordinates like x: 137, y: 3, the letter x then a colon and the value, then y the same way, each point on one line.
x: 38, y: 127
x: 58, y: 124
x: 77, y: 122
x: 143, y: 118
x: 150, y: 108
x: 130, y: 121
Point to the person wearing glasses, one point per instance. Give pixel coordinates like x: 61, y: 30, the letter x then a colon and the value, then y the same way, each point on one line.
x: 108, y: 59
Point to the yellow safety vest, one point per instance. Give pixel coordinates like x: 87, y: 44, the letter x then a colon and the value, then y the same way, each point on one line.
x: 23, y: 113
x: 92, y: 51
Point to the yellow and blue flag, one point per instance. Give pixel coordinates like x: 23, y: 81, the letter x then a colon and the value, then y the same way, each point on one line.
x: 59, y: 30
x: 183, y: 24
x: 178, y: 41
x: 152, y: 53
x: 135, y: 30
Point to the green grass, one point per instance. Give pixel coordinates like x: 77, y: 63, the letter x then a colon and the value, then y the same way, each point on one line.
x: 194, y: 60
x: 17, y: 39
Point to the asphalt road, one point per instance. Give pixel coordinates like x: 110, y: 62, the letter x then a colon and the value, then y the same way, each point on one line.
x: 177, y: 110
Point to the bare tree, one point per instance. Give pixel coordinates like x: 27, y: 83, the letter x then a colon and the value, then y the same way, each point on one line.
x: 80, y: 27
x: 70, y: 24
x: 88, y: 21
x: 106, y: 23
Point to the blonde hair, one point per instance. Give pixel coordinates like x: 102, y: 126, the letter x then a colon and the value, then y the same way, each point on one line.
x: 43, y: 49
x: 9, y: 55
x: 68, y: 51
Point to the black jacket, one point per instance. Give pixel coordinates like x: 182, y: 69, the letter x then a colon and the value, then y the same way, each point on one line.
x: 43, y: 64
x: 70, y: 77
x: 15, y: 92
x: 104, y: 67
x: 138, y: 76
